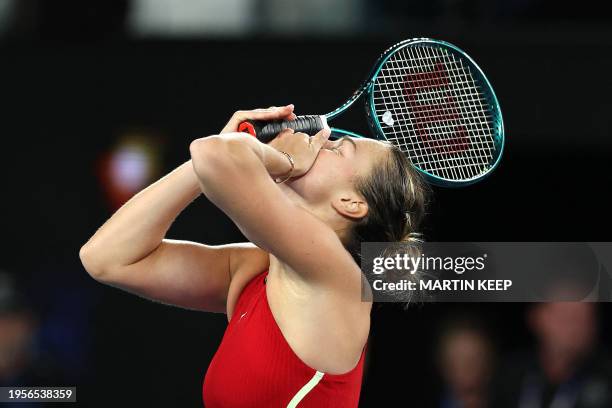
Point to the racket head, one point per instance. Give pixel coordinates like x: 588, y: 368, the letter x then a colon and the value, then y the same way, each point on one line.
x: 429, y: 98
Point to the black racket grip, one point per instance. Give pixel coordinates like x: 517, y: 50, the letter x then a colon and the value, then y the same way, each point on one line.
x: 266, y: 131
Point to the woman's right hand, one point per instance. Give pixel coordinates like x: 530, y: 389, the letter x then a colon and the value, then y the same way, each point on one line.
x: 302, y: 148
x: 269, y: 114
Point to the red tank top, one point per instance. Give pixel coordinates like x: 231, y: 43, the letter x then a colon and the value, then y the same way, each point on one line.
x: 255, y: 366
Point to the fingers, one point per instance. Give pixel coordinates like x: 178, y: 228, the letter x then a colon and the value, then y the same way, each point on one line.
x: 286, y: 131
x: 320, y: 138
x: 271, y: 113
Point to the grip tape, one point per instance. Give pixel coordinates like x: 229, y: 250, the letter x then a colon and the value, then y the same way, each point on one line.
x: 266, y: 131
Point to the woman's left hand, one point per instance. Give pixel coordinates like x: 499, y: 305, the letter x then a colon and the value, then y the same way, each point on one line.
x: 271, y: 113
x: 302, y: 148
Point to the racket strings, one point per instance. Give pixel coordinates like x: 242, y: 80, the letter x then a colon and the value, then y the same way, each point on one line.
x: 455, y: 167
x: 419, y: 152
x: 430, y: 105
x: 460, y: 166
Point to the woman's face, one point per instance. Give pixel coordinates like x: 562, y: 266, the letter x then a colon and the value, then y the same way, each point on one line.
x: 334, y: 171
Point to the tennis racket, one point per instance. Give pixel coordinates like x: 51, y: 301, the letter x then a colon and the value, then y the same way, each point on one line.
x: 430, y: 99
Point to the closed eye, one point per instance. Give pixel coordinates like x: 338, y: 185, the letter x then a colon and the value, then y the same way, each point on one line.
x: 338, y: 144
x: 336, y: 147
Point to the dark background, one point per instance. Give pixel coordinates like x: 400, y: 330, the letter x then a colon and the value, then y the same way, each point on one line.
x: 71, y: 83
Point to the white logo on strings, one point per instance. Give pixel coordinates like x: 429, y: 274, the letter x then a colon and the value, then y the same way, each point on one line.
x: 387, y: 117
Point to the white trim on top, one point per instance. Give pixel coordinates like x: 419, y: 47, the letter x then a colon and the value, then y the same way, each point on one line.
x: 305, y: 389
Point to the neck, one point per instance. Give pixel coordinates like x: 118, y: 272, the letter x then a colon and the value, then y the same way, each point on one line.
x: 328, y: 215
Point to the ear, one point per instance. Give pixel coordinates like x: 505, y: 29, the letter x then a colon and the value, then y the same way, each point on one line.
x: 350, y: 205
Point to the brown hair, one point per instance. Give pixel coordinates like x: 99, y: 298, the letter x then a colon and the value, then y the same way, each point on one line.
x: 397, y: 197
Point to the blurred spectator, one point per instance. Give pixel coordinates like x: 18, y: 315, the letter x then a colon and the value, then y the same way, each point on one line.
x: 567, y: 370
x: 465, y: 357
x: 20, y: 364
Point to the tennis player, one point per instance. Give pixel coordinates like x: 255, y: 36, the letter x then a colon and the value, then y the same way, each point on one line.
x: 298, y: 327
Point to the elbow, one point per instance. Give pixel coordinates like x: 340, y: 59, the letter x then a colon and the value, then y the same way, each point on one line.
x: 201, y: 146
x: 202, y: 154
x: 215, y: 155
x: 91, y: 261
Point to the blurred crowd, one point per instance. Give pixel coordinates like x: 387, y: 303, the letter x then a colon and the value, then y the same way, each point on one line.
x: 566, y: 368
x: 44, y: 331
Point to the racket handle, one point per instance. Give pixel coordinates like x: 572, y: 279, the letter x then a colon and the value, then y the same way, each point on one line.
x: 266, y: 131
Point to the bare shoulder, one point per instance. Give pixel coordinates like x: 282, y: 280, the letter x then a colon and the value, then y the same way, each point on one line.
x: 246, y: 261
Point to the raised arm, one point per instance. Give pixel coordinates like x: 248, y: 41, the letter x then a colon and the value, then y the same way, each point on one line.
x: 232, y: 170
x: 130, y: 252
